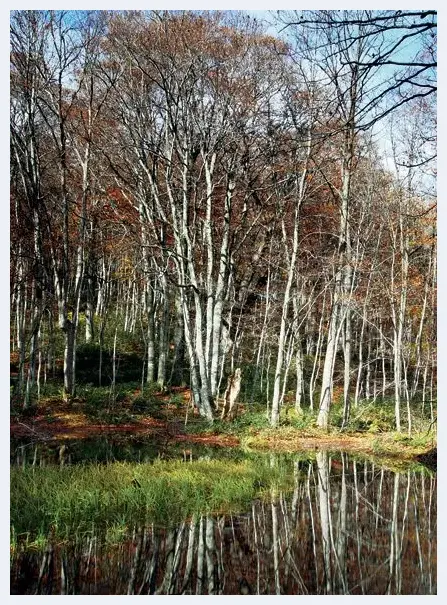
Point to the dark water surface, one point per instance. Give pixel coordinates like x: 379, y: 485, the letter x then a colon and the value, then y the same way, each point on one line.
x: 347, y: 527
x: 107, y: 449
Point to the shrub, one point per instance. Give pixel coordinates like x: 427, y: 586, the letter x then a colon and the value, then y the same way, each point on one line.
x: 303, y: 420
x: 374, y: 418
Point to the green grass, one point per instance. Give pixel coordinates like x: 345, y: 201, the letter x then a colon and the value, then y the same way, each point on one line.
x: 248, y: 422
x: 73, y: 500
x: 368, y: 418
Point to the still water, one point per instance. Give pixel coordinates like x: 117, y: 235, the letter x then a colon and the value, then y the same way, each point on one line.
x: 346, y: 527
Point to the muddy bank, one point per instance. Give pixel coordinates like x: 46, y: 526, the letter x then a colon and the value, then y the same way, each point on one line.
x: 60, y: 422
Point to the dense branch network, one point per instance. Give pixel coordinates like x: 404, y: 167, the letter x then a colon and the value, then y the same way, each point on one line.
x: 210, y: 197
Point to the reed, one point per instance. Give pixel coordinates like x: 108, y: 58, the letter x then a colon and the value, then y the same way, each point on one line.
x: 62, y: 502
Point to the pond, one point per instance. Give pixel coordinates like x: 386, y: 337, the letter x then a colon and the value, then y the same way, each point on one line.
x: 307, y: 524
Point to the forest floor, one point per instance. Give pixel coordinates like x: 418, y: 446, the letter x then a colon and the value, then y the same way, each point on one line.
x: 55, y: 420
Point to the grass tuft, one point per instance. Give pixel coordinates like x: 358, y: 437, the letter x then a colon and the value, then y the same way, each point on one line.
x: 68, y: 501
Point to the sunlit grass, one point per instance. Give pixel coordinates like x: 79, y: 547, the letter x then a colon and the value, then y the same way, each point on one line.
x: 64, y: 501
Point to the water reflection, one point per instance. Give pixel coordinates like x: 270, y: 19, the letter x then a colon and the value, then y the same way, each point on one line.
x: 348, y: 527
x: 108, y: 449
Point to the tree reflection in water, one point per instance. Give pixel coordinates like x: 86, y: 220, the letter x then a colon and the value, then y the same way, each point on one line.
x: 347, y: 528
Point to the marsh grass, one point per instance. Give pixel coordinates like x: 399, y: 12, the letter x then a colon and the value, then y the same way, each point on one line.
x: 69, y: 501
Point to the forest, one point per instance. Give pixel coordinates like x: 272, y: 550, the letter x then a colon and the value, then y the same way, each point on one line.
x: 222, y: 235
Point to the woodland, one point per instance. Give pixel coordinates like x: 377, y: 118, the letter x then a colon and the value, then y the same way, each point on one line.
x: 222, y: 271
x: 207, y: 197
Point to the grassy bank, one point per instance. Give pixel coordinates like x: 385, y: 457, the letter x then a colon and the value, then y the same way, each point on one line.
x: 71, y: 500
x: 387, y: 447
x: 371, y: 432
x: 167, y: 416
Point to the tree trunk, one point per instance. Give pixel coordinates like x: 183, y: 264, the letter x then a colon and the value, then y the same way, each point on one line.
x: 150, y: 375
x: 163, y: 335
x: 176, y: 377
x: 301, y: 190
x: 69, y: 359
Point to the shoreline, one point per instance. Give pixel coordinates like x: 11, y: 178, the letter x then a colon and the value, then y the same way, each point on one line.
x: 391, y: 447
